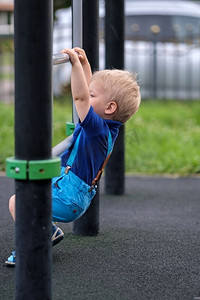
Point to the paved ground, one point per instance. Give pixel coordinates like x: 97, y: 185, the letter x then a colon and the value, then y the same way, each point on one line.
x: 148, y: 246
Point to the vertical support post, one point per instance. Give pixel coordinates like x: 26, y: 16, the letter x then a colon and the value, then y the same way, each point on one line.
x: 33, y: 131
x: 77, y: 35
x: 88, y: 224
x: 155, y: 29
x: 114, y: 39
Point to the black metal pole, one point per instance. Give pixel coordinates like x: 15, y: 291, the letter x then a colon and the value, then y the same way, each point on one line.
x: 88, y: 224
x: 33, y: 97
x: 114, y: 39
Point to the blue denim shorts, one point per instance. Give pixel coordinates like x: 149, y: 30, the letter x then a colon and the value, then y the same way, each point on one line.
x: 70, y: 197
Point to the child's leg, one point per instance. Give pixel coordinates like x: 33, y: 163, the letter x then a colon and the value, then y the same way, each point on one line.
x: 12, y: 207
x: 57, y: 233
x: 12, y: 258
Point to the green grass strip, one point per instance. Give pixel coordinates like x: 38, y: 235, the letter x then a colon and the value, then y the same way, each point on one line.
x: 162, y: 138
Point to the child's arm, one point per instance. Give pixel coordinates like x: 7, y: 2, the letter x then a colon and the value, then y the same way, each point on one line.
x: 79, y: 86
x: 85, y: 64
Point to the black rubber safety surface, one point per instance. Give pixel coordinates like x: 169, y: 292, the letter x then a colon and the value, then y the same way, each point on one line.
x: 148, y: 246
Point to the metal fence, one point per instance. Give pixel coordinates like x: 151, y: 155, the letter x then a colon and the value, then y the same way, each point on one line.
x: 167, y: 62
x: 166, y: 70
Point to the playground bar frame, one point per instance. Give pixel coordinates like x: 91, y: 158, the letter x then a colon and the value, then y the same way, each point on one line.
x: 33, y: 132
x: 114, y: 41
x: 83, y: 27
x: 88, y: 224
x: 77, y: 37
x: 60, y: 58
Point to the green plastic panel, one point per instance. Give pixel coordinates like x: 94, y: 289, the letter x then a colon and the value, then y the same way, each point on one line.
x: 32, y: 170
x: 69, y: 128
x: 44, y: 169
x: 16, y: 169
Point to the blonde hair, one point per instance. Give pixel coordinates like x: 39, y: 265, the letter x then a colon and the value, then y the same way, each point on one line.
x: 123, y: 89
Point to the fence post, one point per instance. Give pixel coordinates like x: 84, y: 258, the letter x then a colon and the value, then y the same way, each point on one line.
x: 88, y: 224
x: 33, y: 98
x: 155, y: 29
x: 114, y: 39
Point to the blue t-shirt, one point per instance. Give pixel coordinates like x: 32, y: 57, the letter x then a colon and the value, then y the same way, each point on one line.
x: 93, y: 145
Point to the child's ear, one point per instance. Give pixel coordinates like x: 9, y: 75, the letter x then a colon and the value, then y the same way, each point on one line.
x: 111, y: 107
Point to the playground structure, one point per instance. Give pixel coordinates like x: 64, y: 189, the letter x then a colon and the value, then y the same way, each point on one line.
x: 33, y: 99
x: 33, y: 165
x: 34, y: 290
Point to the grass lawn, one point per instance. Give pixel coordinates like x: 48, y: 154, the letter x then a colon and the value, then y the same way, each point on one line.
x: 162, y: 138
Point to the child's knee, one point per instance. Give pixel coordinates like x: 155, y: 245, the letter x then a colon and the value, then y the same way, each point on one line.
x: 12, y: 205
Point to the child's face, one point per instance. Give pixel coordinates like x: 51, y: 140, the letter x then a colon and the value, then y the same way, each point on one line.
x: 98, y: 98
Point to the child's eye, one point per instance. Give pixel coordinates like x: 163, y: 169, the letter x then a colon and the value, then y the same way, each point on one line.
x: 91, y: 95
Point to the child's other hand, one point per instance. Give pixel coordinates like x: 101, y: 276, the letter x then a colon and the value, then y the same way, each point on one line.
x: 72, y: 55
x: 81, y: 55
x: 78, y: 58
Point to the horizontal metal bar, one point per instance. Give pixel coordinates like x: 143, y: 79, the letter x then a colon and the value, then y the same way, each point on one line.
x: 60, y: 58
x: 62, y: 146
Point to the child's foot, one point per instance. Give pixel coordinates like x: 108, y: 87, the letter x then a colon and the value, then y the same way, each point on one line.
x: 57, y: 234
x: 10, y: 262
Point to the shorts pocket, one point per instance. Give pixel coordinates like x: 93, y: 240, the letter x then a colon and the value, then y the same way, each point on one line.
x: 72, y: 212
x: 65, y: 210
x: 73, y: 198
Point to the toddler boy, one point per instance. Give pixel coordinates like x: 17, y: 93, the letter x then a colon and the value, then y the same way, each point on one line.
x: 103, y: 101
